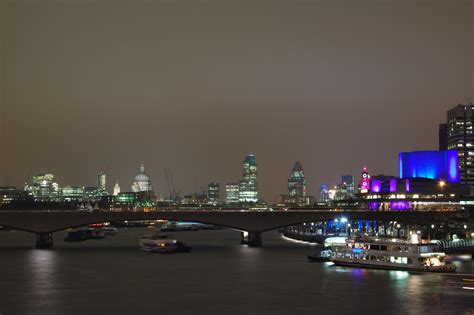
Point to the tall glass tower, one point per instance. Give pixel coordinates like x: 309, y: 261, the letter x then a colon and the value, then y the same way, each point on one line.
x: 297, y: 181
x: 248, y: 185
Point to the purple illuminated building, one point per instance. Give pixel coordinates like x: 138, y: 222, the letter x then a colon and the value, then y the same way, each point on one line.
x: 438, y: 165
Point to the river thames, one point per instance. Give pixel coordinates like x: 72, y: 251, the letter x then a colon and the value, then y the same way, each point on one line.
x: 219, y: 276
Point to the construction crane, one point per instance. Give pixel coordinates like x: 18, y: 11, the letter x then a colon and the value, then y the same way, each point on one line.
x: 168, y: 183
x: 172, y: 189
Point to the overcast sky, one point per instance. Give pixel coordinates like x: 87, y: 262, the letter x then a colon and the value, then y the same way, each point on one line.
x: 196, y: 85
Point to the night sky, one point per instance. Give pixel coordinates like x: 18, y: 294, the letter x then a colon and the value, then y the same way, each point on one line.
x: 196, y: 85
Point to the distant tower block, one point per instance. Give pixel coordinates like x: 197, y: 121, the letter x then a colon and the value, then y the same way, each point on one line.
x: 101, y: 180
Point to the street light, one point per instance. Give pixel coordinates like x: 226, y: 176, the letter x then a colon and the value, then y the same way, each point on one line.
x: 441, y: 186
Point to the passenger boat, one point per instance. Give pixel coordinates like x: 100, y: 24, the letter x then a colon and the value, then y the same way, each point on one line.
x: 390, y: 254
x: 162, y: 244
x: 321, y: 256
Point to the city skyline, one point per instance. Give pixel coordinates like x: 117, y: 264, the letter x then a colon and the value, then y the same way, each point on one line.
x: 335, y: 96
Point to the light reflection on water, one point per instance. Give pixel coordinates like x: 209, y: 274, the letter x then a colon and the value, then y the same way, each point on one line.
x: 219, y: 276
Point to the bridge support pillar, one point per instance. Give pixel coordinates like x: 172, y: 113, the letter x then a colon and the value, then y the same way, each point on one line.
x: 252, y: 239
x: 44, y: 240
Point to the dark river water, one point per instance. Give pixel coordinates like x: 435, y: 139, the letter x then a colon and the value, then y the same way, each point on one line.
x: 219, y: 276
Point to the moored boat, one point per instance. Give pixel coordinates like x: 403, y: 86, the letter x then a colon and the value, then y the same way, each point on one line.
x: 323, y: 255
x: 390, y: 254
x: 110, y: 230
x: 162, y: 244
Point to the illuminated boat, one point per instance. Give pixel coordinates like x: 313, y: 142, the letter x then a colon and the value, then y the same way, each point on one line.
x: 322, y: 256
x: 162, y: 244
x: 391, y: 254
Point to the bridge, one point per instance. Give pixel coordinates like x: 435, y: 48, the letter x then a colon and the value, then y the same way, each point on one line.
x: 251, y: 223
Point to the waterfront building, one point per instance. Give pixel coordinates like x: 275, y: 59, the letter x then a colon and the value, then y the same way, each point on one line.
x: 459, y: 136
x: 196, y: 199
x: 9, y: 194
x: 232, y: 193
x: 438, y: 165
x: 116, y: 188
x: 142, y: 181
x: 44, y: 188
x: 248, y: 185
x: 72, y: 193
x: 213, y: 193
x: 126, y: 198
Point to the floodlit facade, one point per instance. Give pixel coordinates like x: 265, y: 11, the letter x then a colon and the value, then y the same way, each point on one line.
x: 116, y: 189
x: 248, y: 185
x: 142, y: 181
x: 440, y: 165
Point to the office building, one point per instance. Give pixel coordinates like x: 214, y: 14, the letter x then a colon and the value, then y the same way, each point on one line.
x: 248, y: 185
x: 213, y: 193
x: 460, y: 137
x: 232, y: 193
x: 348, y: 181
x: 297, y: 181
x: 72, y: 193
x: 44, y: 188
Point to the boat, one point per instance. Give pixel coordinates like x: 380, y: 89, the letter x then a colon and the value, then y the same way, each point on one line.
x: 160, y: 243
x: 391, y: 254
x: 110, y: 230
x: 78, y: 235
x: 323, y: 255
x: 97, y: 233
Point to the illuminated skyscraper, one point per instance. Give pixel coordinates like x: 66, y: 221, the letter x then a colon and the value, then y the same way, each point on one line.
x: 297, y: 182
x: 248, y: 185
x: 460, y: 137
